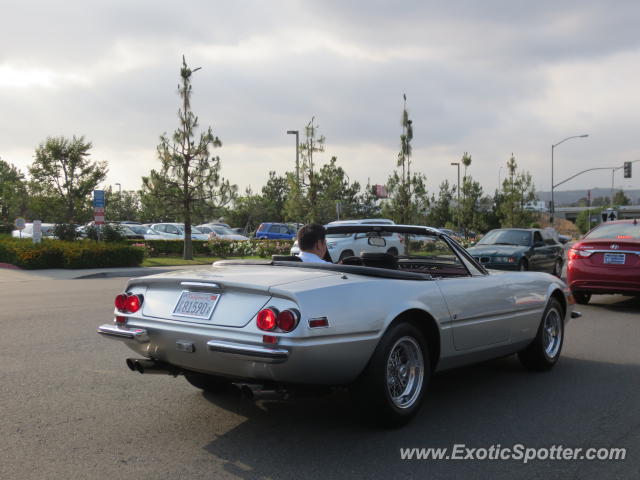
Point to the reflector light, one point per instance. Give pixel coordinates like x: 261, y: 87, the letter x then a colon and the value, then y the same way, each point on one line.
x: 318, y: 322
x: 288, y: 320
x: 121, y: 319
x: 266, y: 319
x: 270, y: 339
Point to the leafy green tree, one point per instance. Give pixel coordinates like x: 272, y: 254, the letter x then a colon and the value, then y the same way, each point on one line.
x: 275, y: 193
x: 188, y: 175
x: 620, y: 199
x: 367, y: 204
x: 601, y: 202
x: 301, y: 204
x: 123, y: 205
x: 63, y: 177
x: 440, y: 213
x: 13, y: 192
x: 408, y: 199
x: 472, y: 210
x: 517, y: 191
x: 334, y: 186
x: 582, y: 221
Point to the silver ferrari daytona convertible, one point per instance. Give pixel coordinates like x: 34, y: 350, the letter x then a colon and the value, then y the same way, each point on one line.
x: 378, y: 323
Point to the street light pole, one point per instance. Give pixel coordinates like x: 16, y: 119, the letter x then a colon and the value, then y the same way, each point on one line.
x: 296, y: 133
x: 552, y: 208
x: 457, y: 164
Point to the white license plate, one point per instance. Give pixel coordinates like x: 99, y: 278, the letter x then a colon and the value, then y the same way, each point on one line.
x: 614, y: 258
x: 196, y: 305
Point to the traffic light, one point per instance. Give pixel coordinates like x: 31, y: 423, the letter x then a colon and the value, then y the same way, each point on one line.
x: 627, y: 169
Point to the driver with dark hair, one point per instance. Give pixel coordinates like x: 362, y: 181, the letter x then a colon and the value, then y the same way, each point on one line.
x: 312, y: 243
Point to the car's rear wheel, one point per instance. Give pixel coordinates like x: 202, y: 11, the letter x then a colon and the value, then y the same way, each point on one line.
x: 208, y: 383
x: 391, y: 388
x: 582, y: 297
x: 523, y: 266
x: 345, y: 254
x: 393, y: 251
x: 557, y: 268
x: 544, y: 351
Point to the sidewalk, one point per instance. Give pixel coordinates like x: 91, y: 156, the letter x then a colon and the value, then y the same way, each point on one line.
x: 13, y: 275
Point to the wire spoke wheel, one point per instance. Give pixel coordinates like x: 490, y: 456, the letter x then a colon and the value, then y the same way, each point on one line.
x: 552, y: 333
x: 405, y: 372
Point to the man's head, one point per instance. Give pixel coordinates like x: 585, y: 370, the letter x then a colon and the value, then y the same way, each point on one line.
x: 311, y: 238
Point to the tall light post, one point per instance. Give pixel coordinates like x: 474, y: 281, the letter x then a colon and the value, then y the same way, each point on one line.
x: 457, y: 164
x: 296, y: 133
x: 552, y: 207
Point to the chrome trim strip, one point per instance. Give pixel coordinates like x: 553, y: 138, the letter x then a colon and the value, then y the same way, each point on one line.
x: 140, y: 335
x: 248, y: 350
x: 633, y: 252
x: 200, y: 284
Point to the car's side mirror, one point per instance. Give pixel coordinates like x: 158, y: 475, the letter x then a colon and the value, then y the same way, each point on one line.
x: 377, y: 242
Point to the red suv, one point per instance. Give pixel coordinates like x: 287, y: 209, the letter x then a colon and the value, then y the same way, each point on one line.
x: 606, y: 260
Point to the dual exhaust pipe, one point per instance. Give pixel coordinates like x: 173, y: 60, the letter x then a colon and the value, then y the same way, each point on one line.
x: 145, y: 365
x: 248, y: 391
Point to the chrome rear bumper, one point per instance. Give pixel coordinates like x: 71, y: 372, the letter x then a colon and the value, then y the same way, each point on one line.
x: 140, y: 335
x: 265, y: 354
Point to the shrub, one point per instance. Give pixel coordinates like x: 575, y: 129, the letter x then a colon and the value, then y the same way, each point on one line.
x: 113, y: 233
x: 6, y: 228
x: 65, y: 231
x: 61, y: 254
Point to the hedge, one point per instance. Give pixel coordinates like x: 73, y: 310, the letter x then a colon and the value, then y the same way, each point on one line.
x: 217, y: 247
x: 61, y: 254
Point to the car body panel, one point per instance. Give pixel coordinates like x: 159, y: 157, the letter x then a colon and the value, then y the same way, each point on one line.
x: 594, y: 271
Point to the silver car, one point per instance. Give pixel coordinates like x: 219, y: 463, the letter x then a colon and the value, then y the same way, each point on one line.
x: 380, y: 326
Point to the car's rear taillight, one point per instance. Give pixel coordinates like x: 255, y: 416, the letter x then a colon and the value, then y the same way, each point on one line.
x: 270, y: 319
x: 575, y: 253
x: 266, y: 319
x: 288, y: 319
x: 128, y: 303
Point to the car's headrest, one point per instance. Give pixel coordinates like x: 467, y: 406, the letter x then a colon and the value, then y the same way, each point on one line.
x: 379, y: 260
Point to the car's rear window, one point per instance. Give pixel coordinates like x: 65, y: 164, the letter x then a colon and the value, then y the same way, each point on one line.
x: 621, y: 231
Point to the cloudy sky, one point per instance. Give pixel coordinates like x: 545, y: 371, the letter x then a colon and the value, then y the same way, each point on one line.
x: 486, y: 77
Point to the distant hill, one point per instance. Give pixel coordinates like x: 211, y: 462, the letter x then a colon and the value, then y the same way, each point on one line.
x: 566, y: 197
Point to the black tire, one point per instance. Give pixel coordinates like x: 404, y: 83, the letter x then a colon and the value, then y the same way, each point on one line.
x: 208, y: 383
x: 393, y: 251
x: 523, y: 266
x: 557, y: 268
x: 582, y: 297
x: 543, y: 353
x: 371, y: 392
x: 345, y: 254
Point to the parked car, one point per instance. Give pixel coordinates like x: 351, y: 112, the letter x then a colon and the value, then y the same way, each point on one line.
x: 344, y: 245
x: 606, y: 260
x: 27, y: 231
x: 276, y: 231
x: 380, y: 328
x: 220, y: 231
x: 519, y: 249
x: 175, y: 231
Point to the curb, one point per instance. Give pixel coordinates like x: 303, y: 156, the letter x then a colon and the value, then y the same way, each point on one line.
x: 9, y: 266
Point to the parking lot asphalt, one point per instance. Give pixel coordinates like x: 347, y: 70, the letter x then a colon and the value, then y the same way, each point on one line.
x: 71, y: 408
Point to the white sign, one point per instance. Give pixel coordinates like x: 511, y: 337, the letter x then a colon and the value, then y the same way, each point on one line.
x: 37, y: 231
x: 98, y: 215
x: 609, y: 215
x: 20, y: 223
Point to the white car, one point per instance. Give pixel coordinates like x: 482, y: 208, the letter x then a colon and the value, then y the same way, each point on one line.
x: 343, y: 245
x: 217, y: 230
x: 27, y: 231
x: 175, y: 231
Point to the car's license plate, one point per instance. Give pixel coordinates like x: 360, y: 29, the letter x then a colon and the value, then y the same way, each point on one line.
x: 196, y: 305
x: 614, y: 258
